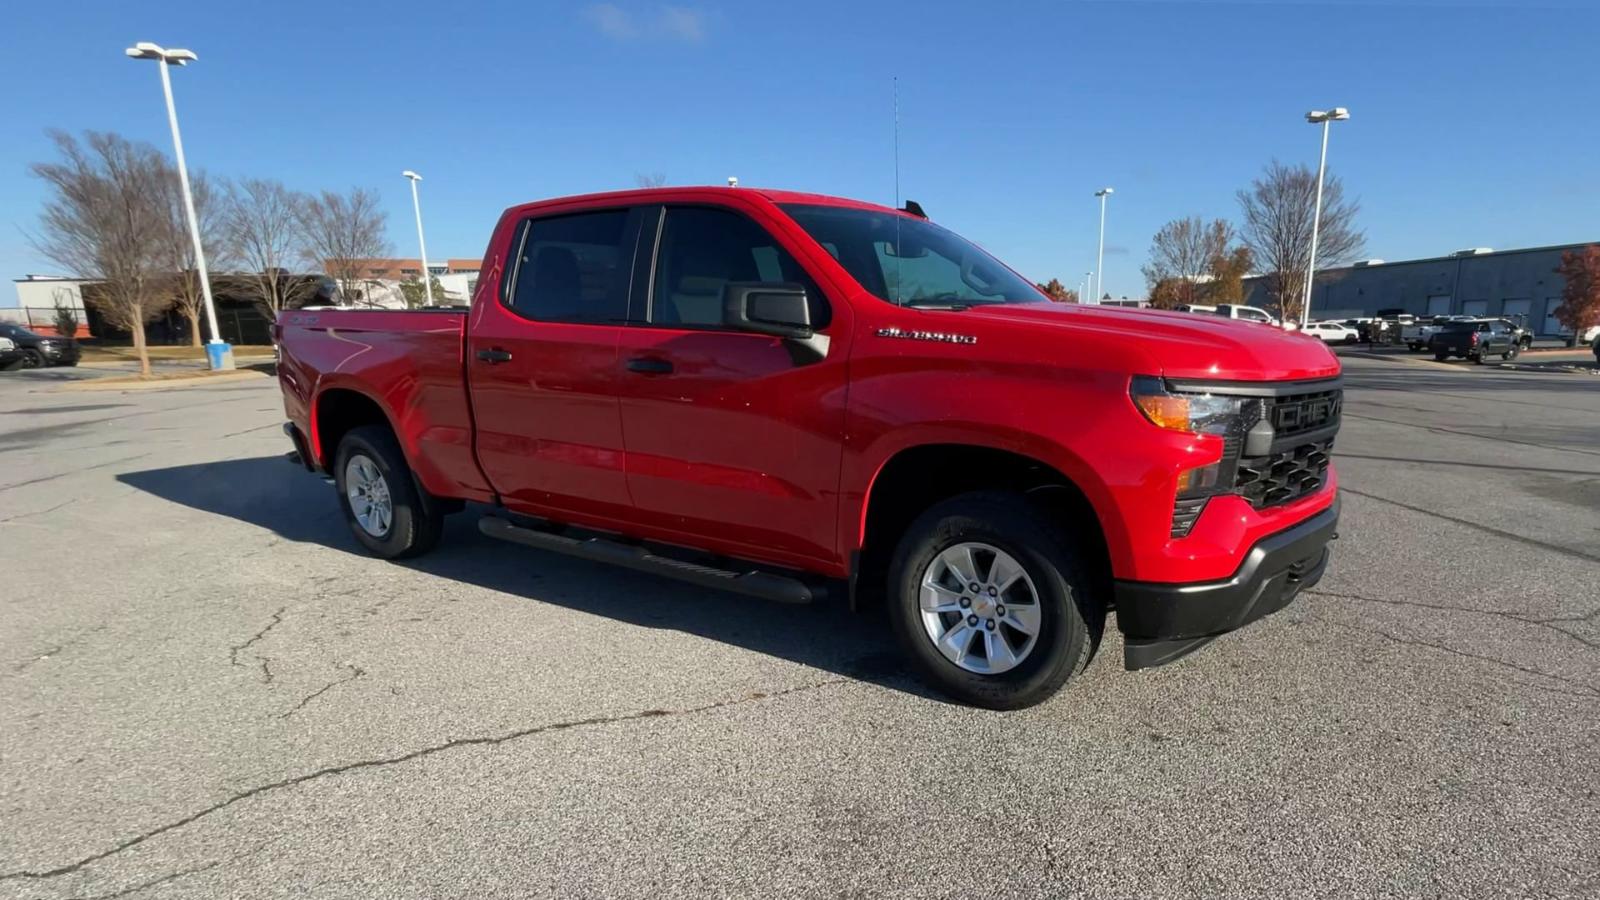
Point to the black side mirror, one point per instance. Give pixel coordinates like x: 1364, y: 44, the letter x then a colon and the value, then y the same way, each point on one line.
x: 776, y: 308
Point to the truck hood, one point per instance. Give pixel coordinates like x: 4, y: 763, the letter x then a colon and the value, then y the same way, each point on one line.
x: 1175, y: 344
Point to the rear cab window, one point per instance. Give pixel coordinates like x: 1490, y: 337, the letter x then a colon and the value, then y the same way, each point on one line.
x: 575, y: 267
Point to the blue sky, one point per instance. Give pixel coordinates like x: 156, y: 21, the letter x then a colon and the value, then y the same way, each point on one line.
x: 1469, y: 128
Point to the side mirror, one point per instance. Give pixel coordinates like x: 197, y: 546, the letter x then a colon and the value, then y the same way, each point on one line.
x: 776, y: 308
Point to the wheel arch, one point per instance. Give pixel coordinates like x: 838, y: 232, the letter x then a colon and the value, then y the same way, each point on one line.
x: 336, y: 410
x: 915, y: 477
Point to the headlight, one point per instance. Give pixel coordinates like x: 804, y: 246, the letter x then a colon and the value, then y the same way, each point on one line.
x: 1193, y: 413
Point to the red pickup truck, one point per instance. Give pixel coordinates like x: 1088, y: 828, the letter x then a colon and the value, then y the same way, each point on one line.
x: 788, y: 395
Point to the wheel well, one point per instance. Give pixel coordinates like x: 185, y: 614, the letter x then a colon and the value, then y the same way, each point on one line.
x: 340, y: 410
x: 917, y: 478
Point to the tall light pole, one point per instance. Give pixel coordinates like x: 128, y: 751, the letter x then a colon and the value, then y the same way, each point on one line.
x: 1324, y: 118
x: 427, y: 278
x: 219, y: 357
x: 1088, y: 285
x: 1100, y: 259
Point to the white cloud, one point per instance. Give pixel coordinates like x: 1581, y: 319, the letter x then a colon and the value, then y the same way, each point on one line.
x: 684, y: 24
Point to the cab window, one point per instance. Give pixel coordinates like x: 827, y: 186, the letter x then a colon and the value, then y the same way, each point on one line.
x: 703, y: 249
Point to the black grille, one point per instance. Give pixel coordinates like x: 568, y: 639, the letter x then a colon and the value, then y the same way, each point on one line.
x: 1281, y: 477
x: 1303, y: 413
x: 1184, y: 515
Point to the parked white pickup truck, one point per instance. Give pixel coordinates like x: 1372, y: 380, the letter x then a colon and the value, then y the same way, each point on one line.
x: 1416, y: 336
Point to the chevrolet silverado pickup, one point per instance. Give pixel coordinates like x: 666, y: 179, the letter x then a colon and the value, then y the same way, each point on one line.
x: 797, y: 397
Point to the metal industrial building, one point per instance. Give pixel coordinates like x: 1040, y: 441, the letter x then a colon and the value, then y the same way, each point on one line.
x: 1478, y: 282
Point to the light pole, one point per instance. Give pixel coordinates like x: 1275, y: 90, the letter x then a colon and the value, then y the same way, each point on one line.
x: 427, y: 277
x: 1324, y: 118
x: 1088, y: 285
x: 1100, y: 259
x: 217, y: 351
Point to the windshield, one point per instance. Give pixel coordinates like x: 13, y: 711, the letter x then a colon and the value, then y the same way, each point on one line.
x: 15, y: 331
x: 910, y: 261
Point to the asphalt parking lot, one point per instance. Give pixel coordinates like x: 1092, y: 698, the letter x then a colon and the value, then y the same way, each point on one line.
x: 207, y: 691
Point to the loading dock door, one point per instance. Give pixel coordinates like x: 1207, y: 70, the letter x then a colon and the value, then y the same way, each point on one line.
x: 1439, y: 305
x: 1523, y: 308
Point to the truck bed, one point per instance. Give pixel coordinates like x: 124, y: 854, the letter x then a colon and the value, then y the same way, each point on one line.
x: 414, y: 357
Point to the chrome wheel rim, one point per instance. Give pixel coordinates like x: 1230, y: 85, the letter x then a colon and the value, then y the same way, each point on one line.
x: 979, y: 608
x: 368, y: 493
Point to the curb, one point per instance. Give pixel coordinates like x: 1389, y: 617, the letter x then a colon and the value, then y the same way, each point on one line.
x: 184, y: 381
x: 1396, y: 358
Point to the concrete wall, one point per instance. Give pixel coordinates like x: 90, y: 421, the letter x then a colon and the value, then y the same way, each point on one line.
x: 1509, y: 283
x: 36, y: 304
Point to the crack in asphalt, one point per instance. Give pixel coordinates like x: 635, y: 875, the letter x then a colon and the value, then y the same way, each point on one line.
x: 1588, y: 691
x: 234, y: 651
x: 1436, y: 429
x: 1486, y: 529
x: 171, y: 876
x: 1548, y: 624
x: 43, y: 478
x: 41, y: 512
x: 355, y: 672
x: 382, y: 762
x: 143, y: 885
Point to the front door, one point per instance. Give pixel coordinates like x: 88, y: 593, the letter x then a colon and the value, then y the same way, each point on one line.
x: 542, y: 366
x: 733, y: 439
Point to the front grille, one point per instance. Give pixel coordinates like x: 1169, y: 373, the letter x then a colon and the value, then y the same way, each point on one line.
x: 1303, y: 413
x: 1281, y: 477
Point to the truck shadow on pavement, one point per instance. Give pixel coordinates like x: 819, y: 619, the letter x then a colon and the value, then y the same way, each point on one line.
x: 272, y: 494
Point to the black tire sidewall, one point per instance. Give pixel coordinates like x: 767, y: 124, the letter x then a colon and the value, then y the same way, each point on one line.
x: 1009, y: 523
x: 33, y: 359
x: 407, y: 535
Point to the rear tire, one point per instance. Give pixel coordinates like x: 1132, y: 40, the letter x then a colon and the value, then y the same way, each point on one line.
x: 1441, y: 357
x: 388, y: 511
x: 994, y: 531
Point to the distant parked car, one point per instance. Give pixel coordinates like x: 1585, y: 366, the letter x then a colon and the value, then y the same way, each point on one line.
x: 1332, y: 332
x: 1589, y: 336
x: 1247, y: 313
x: 9, y: 354
x: 1417, y: 334
x: 1475, y: 340
x: 41, y: 350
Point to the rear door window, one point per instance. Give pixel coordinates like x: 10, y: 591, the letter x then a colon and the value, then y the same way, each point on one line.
x: 575, y: 268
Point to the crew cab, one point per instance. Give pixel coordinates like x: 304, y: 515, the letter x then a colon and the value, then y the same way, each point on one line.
x: 1474, y: 339
x: 1417, y: 335
x: 794, y: 396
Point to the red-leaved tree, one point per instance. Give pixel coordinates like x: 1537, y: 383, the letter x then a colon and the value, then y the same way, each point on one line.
x: 1580, y: 298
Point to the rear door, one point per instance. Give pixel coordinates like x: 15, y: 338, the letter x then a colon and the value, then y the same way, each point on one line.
x: 542, y: 365
x: 733, y: 439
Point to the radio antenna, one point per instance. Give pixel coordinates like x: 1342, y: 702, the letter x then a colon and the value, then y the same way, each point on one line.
x: 897, y: 284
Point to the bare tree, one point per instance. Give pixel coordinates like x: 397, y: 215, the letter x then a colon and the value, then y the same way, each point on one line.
x: 1278, y: 209
x: 1182, y: 256
x: 177, y: 247
x: 263, y: 226
x: 344, y: 233
x: 103, y: 220
x: 650, y: 179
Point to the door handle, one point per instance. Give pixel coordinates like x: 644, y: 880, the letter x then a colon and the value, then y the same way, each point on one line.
x: 649, y: 365
x: 494, y: 355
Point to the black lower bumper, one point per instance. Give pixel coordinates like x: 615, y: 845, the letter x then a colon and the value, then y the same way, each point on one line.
x: 1164, y: 622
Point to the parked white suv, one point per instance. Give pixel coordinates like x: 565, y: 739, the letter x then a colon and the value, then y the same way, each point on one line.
x: 1332, y: 332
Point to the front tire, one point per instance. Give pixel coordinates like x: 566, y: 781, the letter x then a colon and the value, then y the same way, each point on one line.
x: 997, y: 560
x: 388, y: 512
x: 32, y: 359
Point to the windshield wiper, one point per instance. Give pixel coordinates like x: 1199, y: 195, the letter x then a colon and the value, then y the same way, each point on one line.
x: 934, y: 304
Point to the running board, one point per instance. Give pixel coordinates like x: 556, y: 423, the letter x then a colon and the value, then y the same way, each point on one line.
x: 753, y: 583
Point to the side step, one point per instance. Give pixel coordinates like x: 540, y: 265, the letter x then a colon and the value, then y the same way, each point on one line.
x: 753, y: 583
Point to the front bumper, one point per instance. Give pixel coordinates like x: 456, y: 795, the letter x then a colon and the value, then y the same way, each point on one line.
x: 1164, y: 622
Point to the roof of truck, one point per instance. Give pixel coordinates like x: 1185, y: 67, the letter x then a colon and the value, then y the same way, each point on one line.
x: 690, y: 192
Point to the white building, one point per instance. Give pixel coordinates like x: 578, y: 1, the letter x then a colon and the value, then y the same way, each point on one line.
x: 38, y: 296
